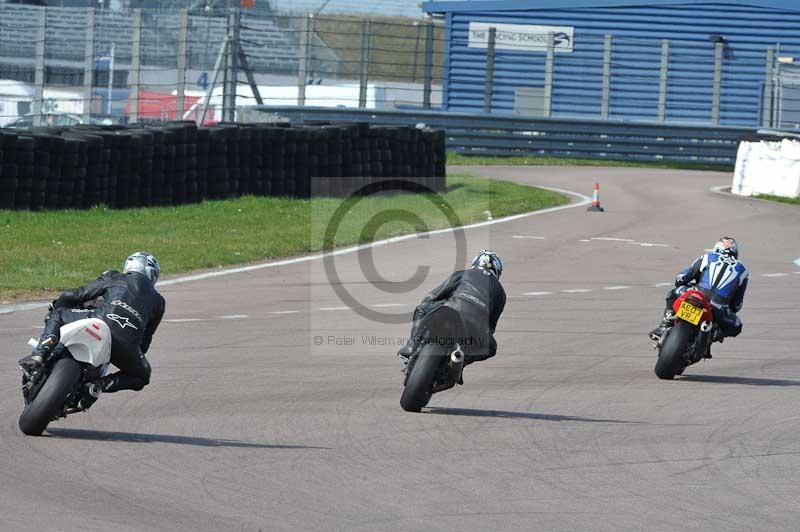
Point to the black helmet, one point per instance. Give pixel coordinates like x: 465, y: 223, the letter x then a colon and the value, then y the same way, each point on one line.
x: 489, y: 261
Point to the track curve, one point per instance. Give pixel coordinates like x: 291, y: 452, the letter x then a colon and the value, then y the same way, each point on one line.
x: 247, y: 425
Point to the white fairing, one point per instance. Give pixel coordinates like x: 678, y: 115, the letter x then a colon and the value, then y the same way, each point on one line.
x: 88, y: 340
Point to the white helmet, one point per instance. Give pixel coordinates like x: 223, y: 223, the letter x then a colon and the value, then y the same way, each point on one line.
x: 144, y: 263
x: 489, y: 261
x: 727, y: 246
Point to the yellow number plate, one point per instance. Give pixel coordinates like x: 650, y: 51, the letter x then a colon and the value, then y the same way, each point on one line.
x: 690, y: 313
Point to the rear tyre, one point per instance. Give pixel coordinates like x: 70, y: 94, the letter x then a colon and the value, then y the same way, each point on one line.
x: 50, y: 400
x: 419, y: 386
x: 670, y: 357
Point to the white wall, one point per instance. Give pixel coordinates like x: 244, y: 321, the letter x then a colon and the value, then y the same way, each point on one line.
x: 768, y: 168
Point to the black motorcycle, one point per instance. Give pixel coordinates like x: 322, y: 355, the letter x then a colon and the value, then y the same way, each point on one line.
x: 437, y: 365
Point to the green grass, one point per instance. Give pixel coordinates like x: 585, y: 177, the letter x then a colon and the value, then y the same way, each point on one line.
x: 47, y: 251
x: 781, y: 199
x: 456, y: 159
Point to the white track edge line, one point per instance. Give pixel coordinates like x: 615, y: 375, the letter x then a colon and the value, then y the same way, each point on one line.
x: 584, y: 200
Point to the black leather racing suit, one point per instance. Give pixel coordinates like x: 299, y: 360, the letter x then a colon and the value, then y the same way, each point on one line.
x: 480, y: 298
x: 131, y: 307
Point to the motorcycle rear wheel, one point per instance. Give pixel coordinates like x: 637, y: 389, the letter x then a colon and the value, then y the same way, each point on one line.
x: 670, y: 356
x: 50, y: 400
x: 419, y: 386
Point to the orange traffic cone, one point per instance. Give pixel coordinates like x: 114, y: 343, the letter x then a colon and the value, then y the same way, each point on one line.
x: 596, y: 200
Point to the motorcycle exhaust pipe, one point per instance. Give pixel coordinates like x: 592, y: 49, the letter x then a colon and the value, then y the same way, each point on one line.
x: 456, y: 364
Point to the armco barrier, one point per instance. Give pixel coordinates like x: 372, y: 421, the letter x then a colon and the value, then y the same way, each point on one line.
x: 484, y: 134
x: 177, y: 163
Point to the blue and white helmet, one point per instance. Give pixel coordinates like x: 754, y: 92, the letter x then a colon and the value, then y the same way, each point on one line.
x: 489, y: 261
x: 727, y: 246
x: 144, y: 263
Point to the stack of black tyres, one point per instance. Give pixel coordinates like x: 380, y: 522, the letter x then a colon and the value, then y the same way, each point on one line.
x: 129, y: 176
x: 158, y: 172
x: 83, y: 161
x: 257, y: 174
x: 290, y: 149
x: 184, y: 172
x: 218, y: 180
x: 274, y: 144
x: 177, y: 163
x: 192, y: 184
x: 169, y: 191
x: 112, y: 164
x: 233, y: 158
x: 9, y: 176
x: 438, y: 146
x: 201, y: 162
x: 142, y: 165
x: 25, y: 158
x: 73, y: 189
x: 245, y: 164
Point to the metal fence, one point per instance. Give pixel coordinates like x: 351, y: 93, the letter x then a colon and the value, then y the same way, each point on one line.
x: 482, y: 134
x: 64, y: 65
x: 61, y: 65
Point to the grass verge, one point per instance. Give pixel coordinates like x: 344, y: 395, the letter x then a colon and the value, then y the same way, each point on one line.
x: 457, y: 159
x: 49, y: 251
x: 781, y: 199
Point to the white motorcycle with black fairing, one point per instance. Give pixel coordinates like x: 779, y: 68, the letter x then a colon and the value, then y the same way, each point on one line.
x: 63, y: 384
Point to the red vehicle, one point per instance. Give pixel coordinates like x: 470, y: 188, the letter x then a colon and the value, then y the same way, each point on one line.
x: 688, y: 340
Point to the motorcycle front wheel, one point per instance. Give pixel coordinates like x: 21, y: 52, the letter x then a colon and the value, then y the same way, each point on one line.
x: 670, y: 356
x: 49, y: 402
x: 419, y: 385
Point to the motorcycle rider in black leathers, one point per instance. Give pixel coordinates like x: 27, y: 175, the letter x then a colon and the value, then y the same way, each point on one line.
x: 131, y: 307
x: 479, y: 297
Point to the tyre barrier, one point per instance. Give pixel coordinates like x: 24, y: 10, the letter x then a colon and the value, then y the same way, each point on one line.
x: 177, y: 163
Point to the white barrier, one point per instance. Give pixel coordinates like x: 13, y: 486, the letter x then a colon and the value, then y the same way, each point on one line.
x: 768, y: 168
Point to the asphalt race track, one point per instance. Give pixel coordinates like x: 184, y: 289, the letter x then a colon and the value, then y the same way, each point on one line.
x: 248, y: 425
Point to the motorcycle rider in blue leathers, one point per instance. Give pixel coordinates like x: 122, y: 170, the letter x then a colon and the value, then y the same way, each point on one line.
x: 723, y: 279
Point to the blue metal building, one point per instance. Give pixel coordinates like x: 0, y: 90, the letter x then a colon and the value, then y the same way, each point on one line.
x: 631, y: 75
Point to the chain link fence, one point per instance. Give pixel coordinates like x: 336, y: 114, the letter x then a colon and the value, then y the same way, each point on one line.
x: 62, y: 66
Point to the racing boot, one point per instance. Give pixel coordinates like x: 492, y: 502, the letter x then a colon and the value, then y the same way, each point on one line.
x: 666, y: 322
x: 717, y: 336
x: 412, y: 344
x: 39, y: 354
